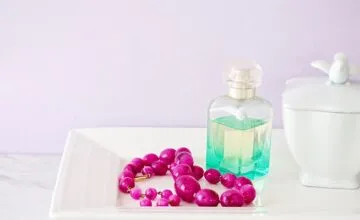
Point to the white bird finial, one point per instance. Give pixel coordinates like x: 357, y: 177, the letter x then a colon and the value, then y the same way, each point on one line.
x: 339, y: 70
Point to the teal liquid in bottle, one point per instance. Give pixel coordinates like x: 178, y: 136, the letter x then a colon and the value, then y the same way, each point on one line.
x: 241, y: 147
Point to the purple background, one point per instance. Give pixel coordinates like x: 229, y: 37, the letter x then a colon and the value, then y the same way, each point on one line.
x: 80, y: 63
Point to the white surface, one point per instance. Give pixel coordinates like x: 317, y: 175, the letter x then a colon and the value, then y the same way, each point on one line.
x: 86, y: 186
x: 326, y: 147
x: 26, y: 183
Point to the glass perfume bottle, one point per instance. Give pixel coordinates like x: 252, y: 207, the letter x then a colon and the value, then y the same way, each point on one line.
x: 239, y: 125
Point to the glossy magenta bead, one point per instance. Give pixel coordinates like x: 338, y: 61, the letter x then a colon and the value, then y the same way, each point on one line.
x: 125, y: 184
x: 174, y: 200
x: 126, y: 173
x: 186, y: 187
x: 166, y: 194
x: 182, y: 149
x: 162, y: 202
x: 138, y: 164
x: 148, y: 171
x: 168, y: 155
x: 151, y: 193
x: 248, y: 192
x: 180, y: 170
x: 241, y: 181
x: 228, y: 180
x: 145, y: 202
x: 231, y: 198
x: 130, y: 167
x: 171, y: 166
x: 159, y: 168
x: 212, y: 176
x: 149, y: 159
x: 135, y: 193
x: 206, y: 197
x: 198, y: 172
x: 184, y: 158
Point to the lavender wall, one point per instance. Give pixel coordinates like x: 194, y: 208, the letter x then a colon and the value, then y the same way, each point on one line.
x: 80, y: 63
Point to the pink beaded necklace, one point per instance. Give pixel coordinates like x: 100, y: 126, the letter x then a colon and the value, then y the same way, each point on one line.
x: 180, y: 163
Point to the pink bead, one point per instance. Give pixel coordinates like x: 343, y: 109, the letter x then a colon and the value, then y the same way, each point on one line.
x: 126, y: 184
x: 186, y: 187
x: 130, y: 168
x: 174, y: 200
x: 184, y: 158
x: 181, y: 169
x: 145, y: 202
x: 171, y: 166
x: 126, y: 173
x: 182, y: 149
x: 248, y: 192
x: 166, y: 194
x: 159, y: 168
x: 212, y: 176
x: 135, y: 193
x: 151, y: 193
x: 231, y: 198
x: 228, y: 180
x: 138, y: 164
x: 206, y: 197
x: 162, y: 202
x: 148, y: 171
x: 241, y: 181
x: 198, y: 172
x: 149, y: 159
x: 168, y: 155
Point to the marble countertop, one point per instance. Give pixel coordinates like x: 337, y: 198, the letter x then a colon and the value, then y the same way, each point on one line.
x: 26, y: 184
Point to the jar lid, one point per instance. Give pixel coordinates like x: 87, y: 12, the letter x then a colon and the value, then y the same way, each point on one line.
x: 335, y: 93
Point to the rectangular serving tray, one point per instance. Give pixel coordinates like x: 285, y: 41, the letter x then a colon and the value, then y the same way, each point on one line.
x: 86, y: 186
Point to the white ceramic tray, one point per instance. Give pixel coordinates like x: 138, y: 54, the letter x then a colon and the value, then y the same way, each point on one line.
x: 86, y: 187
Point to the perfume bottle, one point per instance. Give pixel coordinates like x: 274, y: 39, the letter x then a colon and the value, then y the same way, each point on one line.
x: 239, y: 125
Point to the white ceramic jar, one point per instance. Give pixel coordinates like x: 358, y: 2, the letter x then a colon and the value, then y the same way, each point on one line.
x: 322, y: 125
